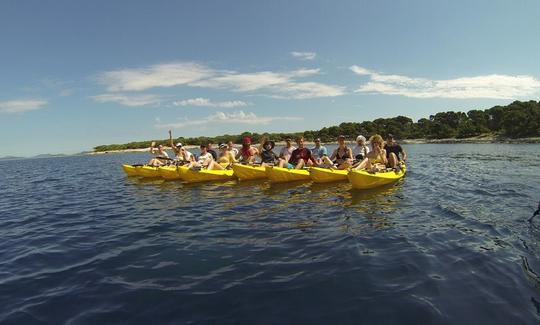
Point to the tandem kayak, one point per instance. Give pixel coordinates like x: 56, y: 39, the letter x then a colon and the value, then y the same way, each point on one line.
x: 326, y: 175
x: 361, y: 179
x: 281, y: 175
x: 205, y: 175
x: 248, y: 172
x: 170, y: 172
x: 131, y: 170
x: 148, y: 171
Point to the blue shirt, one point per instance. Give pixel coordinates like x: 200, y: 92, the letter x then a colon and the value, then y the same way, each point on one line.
x: 318, y: 152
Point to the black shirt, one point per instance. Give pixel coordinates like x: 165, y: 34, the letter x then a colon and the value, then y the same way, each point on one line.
x: 396, y: 149
x: 268, y: 156
x: 213, y: 153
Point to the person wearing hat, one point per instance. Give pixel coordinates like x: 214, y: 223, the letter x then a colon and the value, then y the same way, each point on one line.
x: 268, y: 157
x: 361, y: 149
x: 160, y: 155
x: 319, y: 152
x: 376, y: 159
x: 394, y: 152
x: 342, y: 156
x: 247, y: 154
x: 204, y: 159
x: 181, y: 155
x: 225, y: 159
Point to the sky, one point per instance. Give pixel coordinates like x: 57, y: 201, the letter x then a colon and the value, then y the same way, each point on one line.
x: 76, y: 74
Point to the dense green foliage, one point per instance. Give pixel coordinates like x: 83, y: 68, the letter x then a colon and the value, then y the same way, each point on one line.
x: 519, y: 119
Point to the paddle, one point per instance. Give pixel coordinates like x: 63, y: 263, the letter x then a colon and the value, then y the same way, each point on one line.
x: 537, y: 212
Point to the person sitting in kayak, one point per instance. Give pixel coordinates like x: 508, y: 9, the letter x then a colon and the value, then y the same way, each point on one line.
x: 247, y: 154
x: 232, y: 148
x: 225, y: 159
x: 286, y: 152
x: 181, y: 155
x: 361, y: 149
x: 209, y: 148
x: 341, y: 157
x: 394, y: 153
x: 268, y: 157
x: 300, y: 157
x: 319, y: 152
x: 376, y: 159
x: 205, y: 158
x: 160, y: 155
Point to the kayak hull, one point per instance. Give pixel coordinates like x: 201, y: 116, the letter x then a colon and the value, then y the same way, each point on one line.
x: 248, y: 172
x: 362, y: 180
x: 327, y: 175
x: 204, y: 175
x: 131, y: 170
x: 169, y: 172
x: 282, y: 175
x: 148, y: 172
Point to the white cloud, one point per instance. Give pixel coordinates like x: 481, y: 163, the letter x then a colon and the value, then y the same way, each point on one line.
x: 238, y: 117
x: 304, y: 55
x: 270, y: 83
x: 208, y: 103
x: 486, y: 86
x: 159, y: 75
x: 21, y: 105
x: 129, y: 100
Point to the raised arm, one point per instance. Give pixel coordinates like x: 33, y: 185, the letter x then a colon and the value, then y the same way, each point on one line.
x: 404, y: 154
x: 152, y: 145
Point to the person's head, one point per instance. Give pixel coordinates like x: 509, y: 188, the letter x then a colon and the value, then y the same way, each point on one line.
x: 179, y: 145
x: 300, y: 142
x: 360, y: 140
x: 390, y: 139
x: 209, y: 145
x: 317, y: 142
x: 160, y: 147
x: 376, y: 141
x: 230, y: 144
x: 288, y: 142
x: 341, y: 140
x: 203, y: 148
x: 268, y: 145
x: 223, y: 147
x: 246, y: 142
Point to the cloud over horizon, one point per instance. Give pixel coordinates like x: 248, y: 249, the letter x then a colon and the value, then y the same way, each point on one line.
x: 306, y: 56
x: 237, y: 117
x: 131, y: 100
x: 494, y: 86
x: 205, y: 102
x: 22, y: 105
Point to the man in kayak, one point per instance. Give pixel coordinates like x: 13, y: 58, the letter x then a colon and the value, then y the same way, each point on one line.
x: 394, y: 153
x: 342, y: 157
x: 247, y: 153
x: 286, y: 152
x: 181, y: 155
x: 300, y: 157
x: 361, y: 149
x: 319, y: 152
x: 160, y: 155
x: 205, y: 158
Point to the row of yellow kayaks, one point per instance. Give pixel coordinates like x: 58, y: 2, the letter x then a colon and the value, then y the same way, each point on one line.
x: 359, y: 179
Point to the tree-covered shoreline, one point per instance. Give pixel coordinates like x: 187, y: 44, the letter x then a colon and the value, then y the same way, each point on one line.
x: 516, y: 120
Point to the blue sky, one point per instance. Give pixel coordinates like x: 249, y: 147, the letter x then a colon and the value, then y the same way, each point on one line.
x: 76, y: 74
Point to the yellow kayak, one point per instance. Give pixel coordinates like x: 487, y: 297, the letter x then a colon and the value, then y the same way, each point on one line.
x: 248, y: 172
x: 148, y: 171
x: 205, y: 175
x: 170, y: 172
x: 131, y: 170
x: 361, y: 179
x: 325, y: 175
x: 281, y: 175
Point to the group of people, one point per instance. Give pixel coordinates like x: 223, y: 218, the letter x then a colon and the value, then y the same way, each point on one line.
x: 380, y: 156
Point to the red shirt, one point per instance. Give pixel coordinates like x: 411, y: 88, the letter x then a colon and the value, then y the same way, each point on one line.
x: 298, y: 154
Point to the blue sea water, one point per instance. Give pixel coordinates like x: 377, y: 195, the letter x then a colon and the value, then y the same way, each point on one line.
x: 450, y: 244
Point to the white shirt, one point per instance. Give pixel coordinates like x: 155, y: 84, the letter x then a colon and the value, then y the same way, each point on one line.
x: 235, y: 151
x: 360, y: 150
x: 202, y: 158
x: 158, y: 153
x: 286, y: 152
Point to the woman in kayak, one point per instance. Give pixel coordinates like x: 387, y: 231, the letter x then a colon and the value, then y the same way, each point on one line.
x: 205, y: 158
x: 342, y: 156
x: 376, y: 159
x: 160, y: 155
x: 225, y: 159
x: 361, y: 149
x: 300, y: 157
x: 247, y: 154
x: 181, y: 155
x: 268, y: 157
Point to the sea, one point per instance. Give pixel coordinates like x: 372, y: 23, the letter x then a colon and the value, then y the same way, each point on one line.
x: 82, y: 243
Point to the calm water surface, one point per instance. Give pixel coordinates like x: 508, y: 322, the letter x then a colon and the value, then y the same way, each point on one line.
x: 83, y: 244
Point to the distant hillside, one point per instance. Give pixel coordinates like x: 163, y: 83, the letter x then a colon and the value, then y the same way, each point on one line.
x: 517, y: 120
